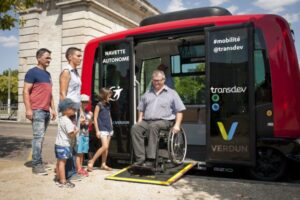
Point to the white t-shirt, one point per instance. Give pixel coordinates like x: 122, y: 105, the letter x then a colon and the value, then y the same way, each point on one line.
x: 65, y: 126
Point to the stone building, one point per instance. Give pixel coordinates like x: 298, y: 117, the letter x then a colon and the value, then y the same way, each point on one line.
x: 59, y: 24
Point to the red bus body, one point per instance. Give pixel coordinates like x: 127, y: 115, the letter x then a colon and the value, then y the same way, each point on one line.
x: 281, y: 53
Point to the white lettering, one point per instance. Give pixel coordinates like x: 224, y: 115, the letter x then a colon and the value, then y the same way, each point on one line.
x: 115, y: 52
x: 227, y: 40
x: 229, y: 48
x: 230, y: 148
x: 228, y: 90
x: 114, y: 60
x: 120, y: 122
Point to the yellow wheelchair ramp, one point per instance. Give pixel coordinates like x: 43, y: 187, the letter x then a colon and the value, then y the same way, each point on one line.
x: 167, y: 177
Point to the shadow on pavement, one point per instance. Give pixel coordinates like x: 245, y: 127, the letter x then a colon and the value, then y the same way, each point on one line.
x: 237, y: 186
x: 28, y: 164
x: 11, y: 147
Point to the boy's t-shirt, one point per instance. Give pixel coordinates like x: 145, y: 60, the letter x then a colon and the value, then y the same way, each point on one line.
x: 84, y: 127
x: 65, y: 126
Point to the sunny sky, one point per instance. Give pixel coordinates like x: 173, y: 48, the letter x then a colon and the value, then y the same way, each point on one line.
x: 289, y: 9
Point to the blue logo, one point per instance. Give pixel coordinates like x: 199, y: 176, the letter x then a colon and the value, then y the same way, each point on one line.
x: 215, y: 107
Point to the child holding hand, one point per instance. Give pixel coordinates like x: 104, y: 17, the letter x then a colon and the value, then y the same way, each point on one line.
x: 66, y: 131
x: 82, y: 144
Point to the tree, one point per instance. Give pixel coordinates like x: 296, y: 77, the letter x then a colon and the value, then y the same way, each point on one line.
x: 12, y: 73
x: 4, y: 87
x: 192, y: 88
x: 9, y: 12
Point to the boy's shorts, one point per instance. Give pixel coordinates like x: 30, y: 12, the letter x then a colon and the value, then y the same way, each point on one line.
x: 82, y: 144
x: 62, y: 152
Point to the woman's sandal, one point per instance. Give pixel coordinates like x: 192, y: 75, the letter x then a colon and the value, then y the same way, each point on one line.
x: 106, y: 168
x: 89, y: 166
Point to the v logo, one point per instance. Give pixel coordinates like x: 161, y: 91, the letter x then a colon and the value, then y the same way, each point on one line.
x: 224, y: 134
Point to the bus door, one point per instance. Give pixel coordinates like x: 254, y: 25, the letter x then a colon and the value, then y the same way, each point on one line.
x: 117, y: 73
x: 230, y: 95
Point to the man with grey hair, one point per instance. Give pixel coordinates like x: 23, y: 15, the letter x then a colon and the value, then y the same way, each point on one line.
x: 159, y: 108
x: 168, y: 80
x: 39, y: 105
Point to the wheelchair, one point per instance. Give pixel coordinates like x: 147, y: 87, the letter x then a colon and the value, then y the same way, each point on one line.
x: 170, y: 150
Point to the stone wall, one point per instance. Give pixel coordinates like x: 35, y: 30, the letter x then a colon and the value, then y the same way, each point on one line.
x: 59, y: 24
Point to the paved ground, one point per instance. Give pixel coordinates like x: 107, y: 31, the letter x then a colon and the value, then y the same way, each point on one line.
x: 17, y: 181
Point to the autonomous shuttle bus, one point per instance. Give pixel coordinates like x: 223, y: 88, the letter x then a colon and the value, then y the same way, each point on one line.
x: 238, y: 77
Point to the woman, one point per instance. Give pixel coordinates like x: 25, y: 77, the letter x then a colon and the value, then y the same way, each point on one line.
x: 70, y: 86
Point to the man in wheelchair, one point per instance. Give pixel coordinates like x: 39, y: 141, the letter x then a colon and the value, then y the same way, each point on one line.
x: 159, y: 108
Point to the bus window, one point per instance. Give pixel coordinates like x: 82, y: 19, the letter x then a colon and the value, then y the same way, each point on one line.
x: 263, y: 91
x: 191, y: 89
x: 191, y: 59
x: 189, y: 79
x: 259, y: 68
x: 175, y: 63
x: 148, y: 66
x: 179, y: 67
x: 96, y: 78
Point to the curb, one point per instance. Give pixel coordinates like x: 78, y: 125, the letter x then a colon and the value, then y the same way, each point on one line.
x: 22, y: 123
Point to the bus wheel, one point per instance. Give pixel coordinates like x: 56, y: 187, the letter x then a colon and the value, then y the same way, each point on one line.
x: 270, y: 165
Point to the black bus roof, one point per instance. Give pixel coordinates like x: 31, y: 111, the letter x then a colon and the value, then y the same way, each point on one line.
x: 185, y: 14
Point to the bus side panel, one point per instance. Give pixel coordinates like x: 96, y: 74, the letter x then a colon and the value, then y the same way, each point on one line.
x: 285, y: 76
x: 87, y: 68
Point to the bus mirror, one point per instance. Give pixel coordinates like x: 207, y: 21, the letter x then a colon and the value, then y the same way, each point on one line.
x: 293, y: 34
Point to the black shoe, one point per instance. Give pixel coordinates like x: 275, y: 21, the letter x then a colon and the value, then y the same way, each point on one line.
x: 149, y: 164
x: 39, y: 170
x: 139, y: 163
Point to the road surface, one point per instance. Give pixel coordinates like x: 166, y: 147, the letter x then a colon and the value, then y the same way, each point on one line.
x: 17, y: 181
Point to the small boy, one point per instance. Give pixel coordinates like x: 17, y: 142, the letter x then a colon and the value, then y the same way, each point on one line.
x: 82, y: 144
x: 66, y: 131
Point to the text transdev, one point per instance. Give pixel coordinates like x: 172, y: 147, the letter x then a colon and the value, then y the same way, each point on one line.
x: 228, y: 90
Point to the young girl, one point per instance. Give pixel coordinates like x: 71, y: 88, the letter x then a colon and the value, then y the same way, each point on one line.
x: 66, y: 131
x: 103, y: 128
x: 82, y: 144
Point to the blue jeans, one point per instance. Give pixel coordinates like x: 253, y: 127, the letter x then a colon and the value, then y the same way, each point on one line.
x: 40, y: 122
x: 71, y: 165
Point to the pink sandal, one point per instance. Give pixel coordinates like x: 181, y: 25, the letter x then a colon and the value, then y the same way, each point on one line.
x: 83, y: 172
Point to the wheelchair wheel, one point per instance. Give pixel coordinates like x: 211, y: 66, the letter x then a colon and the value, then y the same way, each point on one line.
x: 177, y: 146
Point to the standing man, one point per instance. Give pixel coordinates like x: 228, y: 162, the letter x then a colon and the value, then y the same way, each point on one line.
x: 159, y: 108
x: 69, y: 87
x: 39, y: 105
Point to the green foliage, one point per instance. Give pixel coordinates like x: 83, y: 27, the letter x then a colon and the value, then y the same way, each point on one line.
x: 9, y: 11
x: 4, y: 80
x: 13, y: 72
x: 192, y: 88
